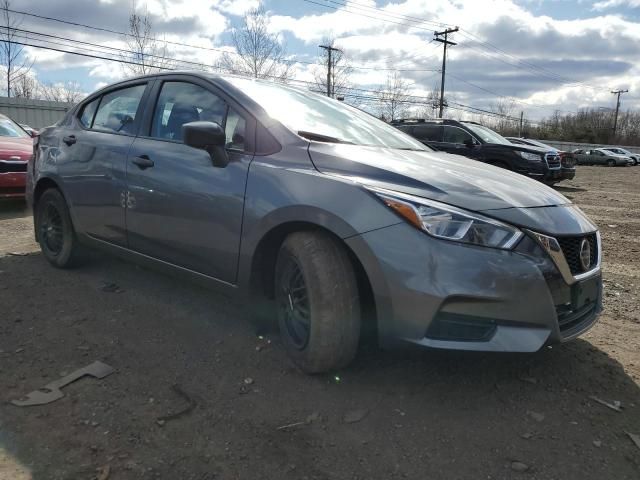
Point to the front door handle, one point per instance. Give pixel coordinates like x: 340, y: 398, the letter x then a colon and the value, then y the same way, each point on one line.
x: 143, y: 162
x: 69, y: 140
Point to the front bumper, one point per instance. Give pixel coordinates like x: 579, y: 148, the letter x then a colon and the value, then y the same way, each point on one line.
x: 12, y: 184
x: 448, y: 295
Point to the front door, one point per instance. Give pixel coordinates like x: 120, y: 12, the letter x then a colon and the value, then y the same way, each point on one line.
x: 180, y: 208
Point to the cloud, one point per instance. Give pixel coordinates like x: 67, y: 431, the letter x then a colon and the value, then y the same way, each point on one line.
x: 606, y: 4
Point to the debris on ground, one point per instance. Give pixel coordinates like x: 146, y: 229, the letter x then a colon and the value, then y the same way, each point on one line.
x: 634, y: 438
x: 519, y: 467
x: 615, y: 405
x: 248, y: 381
x: 52, y: 391
x: 191, y: 404
x: 355, y: 416
x: 291, y: 425
x: 538, y: 417
x: 103, y: 473
x: 597, y: 443
x: 110, y: 287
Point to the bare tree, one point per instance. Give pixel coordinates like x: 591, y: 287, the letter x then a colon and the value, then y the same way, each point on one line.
x: 340, y: 70
x: 15, y: 64
x: 26, y: 87
x: 505, y: 109
x: 148, y: 53
x: 259, y: 53
x: 68, y: 92
x: 393, y: 98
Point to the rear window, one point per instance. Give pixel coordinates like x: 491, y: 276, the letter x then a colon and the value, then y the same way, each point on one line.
x: 431, y: 133
x: 88, y: 112
x: 117, y: 111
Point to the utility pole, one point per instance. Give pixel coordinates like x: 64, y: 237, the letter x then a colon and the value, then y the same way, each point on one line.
x: 521, y: 118
x: 615, y: 119
x: 444, y: 59
x: 329, y: 50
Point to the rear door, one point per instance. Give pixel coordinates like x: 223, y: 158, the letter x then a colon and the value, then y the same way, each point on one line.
x: 430, y: 135
x: 180, y: 208
x: 92, y: 160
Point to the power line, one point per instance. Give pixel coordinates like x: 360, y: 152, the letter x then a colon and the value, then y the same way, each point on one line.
x: 181, y: 44
x: 445, y: 43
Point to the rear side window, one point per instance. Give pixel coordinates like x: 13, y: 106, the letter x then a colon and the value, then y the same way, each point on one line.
x: 88, y: 112
x: 431, y: 133
x: 455, y: 135
x: 117, y: 111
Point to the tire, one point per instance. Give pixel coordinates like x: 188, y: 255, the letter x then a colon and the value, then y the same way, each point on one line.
x: 54, y: 230
x: 611, y: 162
x: 317, y: 302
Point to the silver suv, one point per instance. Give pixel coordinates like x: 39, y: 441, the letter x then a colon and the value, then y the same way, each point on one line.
x: 326, y: 219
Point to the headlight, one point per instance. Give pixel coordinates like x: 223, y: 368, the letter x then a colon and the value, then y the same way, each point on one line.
x: 532, y: 157
x: 450, y: 223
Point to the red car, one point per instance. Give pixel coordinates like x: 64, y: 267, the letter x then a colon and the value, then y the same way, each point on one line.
x: 16, y: 148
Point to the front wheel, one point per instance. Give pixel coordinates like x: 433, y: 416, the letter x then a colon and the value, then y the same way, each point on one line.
x: 55, y: 232
x: 317, y: 302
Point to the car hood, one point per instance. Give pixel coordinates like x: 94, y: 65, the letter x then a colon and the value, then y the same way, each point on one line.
x: 440, y: 176
x: 16, y: 146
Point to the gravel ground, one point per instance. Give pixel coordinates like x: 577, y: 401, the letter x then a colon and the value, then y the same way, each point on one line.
x: 401, y: 414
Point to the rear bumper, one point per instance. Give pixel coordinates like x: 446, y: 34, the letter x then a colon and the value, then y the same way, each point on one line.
x: 12, y: 184
x: 443, y: 294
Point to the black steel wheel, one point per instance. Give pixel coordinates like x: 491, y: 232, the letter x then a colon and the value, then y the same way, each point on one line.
x: 293, y: 302
x: 54, y: 230
x: 317, y: 300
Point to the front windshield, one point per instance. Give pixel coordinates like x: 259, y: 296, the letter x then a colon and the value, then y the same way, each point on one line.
x: 8, y: 128
x: 486, y: 134
x: 318, y: 116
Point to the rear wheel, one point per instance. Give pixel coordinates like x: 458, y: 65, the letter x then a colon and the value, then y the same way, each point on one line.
x: 55, y: 232
x: 317, y: 302
x: 611, y: 162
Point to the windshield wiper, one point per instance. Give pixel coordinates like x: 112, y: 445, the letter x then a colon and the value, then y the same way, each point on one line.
x: 318, y: 137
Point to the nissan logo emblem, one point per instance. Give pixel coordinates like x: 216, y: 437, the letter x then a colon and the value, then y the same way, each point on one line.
x: 585, y: 254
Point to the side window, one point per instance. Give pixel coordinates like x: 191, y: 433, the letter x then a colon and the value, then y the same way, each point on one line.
x: 432, y: 133
x: 455, y: 135
x: 117, y: 111
x: 88, y: 111
x: 180, y: 103
x: 235, y: 129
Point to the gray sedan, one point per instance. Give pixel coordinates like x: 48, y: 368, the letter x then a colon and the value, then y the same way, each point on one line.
x: 601, y: 156
x: 323, y: 218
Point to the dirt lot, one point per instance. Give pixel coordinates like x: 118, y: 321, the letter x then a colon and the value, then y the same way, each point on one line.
x: 407, y: 414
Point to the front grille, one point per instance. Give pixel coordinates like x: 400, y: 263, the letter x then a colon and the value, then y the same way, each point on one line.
x: 11, y: 167
x: 553, y: 161
x: 573, y: 321
x: 571, y: 249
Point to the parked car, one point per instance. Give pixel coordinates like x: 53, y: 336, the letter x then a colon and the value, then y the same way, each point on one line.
x: 31, y: 131
x: 567, y: 160
x: 481, y: 143
x: 329, y: 220
x: 600, y: 156
x: 16, y: 148
x: 621, y: 151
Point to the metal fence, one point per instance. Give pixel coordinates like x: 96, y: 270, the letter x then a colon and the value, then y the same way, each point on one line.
x: 570, y: 146
x: 35, y: 113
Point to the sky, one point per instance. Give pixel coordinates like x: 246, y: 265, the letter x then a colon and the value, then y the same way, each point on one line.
x: 538, y: 56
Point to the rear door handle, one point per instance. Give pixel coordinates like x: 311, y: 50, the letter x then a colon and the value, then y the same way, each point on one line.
x: 69, y: 139
x: 143, y: 162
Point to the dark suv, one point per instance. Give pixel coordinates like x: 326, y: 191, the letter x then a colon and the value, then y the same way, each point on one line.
x: 481, y: 143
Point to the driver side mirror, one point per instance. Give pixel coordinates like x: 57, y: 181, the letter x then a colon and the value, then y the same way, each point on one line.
x: 470, y: 143
x: 208, y: 136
